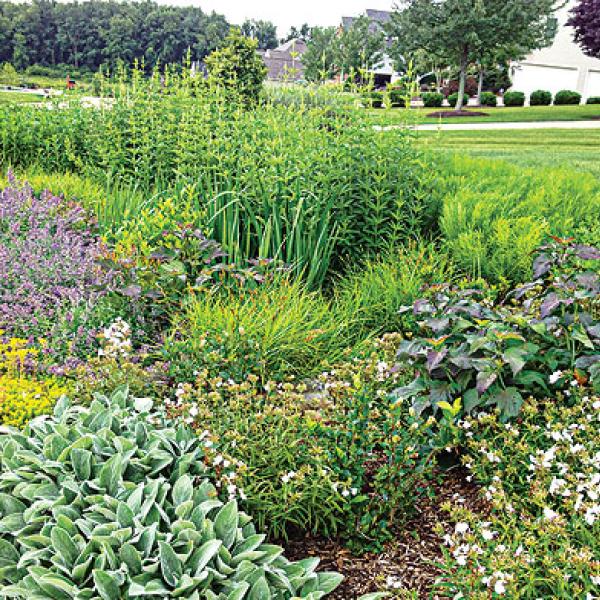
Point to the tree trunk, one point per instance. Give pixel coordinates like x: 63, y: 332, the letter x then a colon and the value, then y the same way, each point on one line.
x: 464, y: 61
x: 480, y: 84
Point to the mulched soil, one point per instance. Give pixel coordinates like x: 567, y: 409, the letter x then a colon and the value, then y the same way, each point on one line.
x: 445, y: 114
x: 409, y: 558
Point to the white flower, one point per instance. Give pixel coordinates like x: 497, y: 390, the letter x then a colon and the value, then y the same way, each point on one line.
x: 288, y: 476
x: 194, y: 411
x: 550, y: 515
x: 555, y: 377
x: 461, y: 528
x: 499, y: 587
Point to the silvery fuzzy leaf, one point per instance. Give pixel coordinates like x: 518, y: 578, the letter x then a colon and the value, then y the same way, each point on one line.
x: 82, y: 463
x: 9, y: 505
x: 327, y: 582
x: 12, y: 524
x: 132, y: 559
x: 106, y: 585
x: 8, y: 554
x: 125, y: 516
x: 239, y: 592
x: 223, y: 567
x: 64, y: 545
x: 249, y: 555
x: 250, y: 543
x: 185, y: 509
x: 260, y: 590
x: 171, y: 567
x: 183, y: 490
x: 57, y: 587
x: 203, y: 555
x: 110, y: 474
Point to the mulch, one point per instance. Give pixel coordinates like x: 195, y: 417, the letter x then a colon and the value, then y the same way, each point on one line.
x: 445, y: 114
x: 410, y: 558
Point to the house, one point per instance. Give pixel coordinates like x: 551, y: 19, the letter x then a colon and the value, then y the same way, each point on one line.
x: 384, y: 72
x: 284, y: 63
x: 561, y: 66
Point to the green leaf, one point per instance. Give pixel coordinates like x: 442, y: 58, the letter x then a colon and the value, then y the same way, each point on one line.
x: 125, y: 515
x: 82, y: 463
x: 471, y: 400
x: 329, y: 581
x: 509, y: 401
x: 110, y: 474
x: 106, y: 585
x: 170, y: 564
x: 203, y: 555
x: 64, y: 545
x: 132, y: 558
x: 8, y: 554
x: 515, y: 357
x: 226, y: 523
x: 183, y: 490
x: 260, y: 590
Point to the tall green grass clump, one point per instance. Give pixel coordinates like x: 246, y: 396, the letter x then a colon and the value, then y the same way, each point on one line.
x: 301, y: 176
x: 494, y: 214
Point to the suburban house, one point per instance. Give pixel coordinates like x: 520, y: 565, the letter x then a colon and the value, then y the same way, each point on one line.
x: 384, y: 72
x: 561, y: 66
x: 284, y: 63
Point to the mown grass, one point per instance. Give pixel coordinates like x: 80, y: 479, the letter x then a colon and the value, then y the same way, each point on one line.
x: 19, y: 98
x: 556, y: 148
x: 511, y: 114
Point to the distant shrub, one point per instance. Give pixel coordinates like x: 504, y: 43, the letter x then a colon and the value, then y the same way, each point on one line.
x: 373, y: 99
x: 453, y: 98
x: 432, y: 99
x: 488, y: 99
x: 398, y: 96
x: 565, y: 97
x: 514, y: 99
x: 540, y: 98
x: 593, y: 100
x: 471, y: 85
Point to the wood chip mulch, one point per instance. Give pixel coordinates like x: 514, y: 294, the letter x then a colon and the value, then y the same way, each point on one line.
x: 409, y: 558
x: 445, y: 114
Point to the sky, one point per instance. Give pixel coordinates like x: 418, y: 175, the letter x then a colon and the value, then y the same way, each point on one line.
x: 285, y: 14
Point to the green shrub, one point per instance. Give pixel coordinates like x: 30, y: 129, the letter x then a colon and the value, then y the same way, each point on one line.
x: 593, y: 100
x: 237, y: 67
x: 540, y: 98
x: 432, y: 99
x: 499, y: 354
x: 453, y: 98
x: 398, y: 96
x: 373, y: 99
x: 495, y: 214
x: 567, y: 97
x: 115, y: 506
x: 514, y: 99
x: 488, y: 99
x: 276, y: 330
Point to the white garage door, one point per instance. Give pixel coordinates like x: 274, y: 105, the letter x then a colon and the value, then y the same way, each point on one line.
x: 528, y: 78
x: 593, y: 84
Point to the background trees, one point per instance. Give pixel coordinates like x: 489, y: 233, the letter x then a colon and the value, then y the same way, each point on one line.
x: 585, y: 18
x: 88, y: 34
x: 264, y: 32
x: 471, y: 31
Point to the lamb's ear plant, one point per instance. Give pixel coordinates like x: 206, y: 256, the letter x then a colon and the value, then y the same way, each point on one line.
x: 111, y: 502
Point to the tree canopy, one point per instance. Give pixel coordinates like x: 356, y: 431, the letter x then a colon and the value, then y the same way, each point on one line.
x: 89, y: 34
x: 468, y: 31
x: 585, y: 19
x: 264, y: 32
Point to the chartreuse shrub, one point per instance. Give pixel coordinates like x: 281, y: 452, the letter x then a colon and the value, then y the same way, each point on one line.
x: 539, y: 477
x: 111, y: 502
x: 498, y: 353
x: 494, y: 214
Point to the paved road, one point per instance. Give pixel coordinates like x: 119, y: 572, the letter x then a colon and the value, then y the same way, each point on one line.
x: 491, y: 126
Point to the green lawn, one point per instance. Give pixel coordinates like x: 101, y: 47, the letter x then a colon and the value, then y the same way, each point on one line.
x: 512, y: 114
x: 573, y: 149
x: 20, y: 97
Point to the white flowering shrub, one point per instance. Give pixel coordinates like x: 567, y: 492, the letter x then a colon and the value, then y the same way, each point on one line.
x: 541, y: 483
x: 110, y: 502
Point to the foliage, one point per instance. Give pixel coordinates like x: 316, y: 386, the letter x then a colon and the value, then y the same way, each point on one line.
x: 328, y: 456
x: 432, y: 99
x: 539, y: 477
x: 137, y: 514
x: 23, y: 395
x: 48, y: 262
x: 319, y: 60
x: 373, y: 99
x: 237, y: 67
x: 585, y: 20
x: 464, y: 31
x: 453, y: 99
x: 514, y: 99
x: 264, y: 32
x: 540, y: 98
x: 593, y: 100
x: 495, y: 354
x: 399, y: 96
x: 276, y: 330
x: 495, y: 214
x: 91, y: 34
x: 359, y: 47
x: 488, y: 99
x: 567, y: 97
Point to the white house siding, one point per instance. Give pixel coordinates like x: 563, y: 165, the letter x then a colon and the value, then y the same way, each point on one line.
x: 562, y: 66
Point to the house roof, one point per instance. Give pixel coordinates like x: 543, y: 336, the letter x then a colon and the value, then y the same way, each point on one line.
x: 378, y: 19
x: 282, y: 65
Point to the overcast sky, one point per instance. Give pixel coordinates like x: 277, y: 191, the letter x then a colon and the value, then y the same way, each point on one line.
x: 287, y: 13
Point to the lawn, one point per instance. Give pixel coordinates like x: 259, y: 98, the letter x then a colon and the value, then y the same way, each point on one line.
x: 19, y: 97
x: 512, y: 114
x: 578, y: 150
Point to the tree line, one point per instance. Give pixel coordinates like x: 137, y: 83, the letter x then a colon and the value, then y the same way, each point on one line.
x: 89, y: 34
